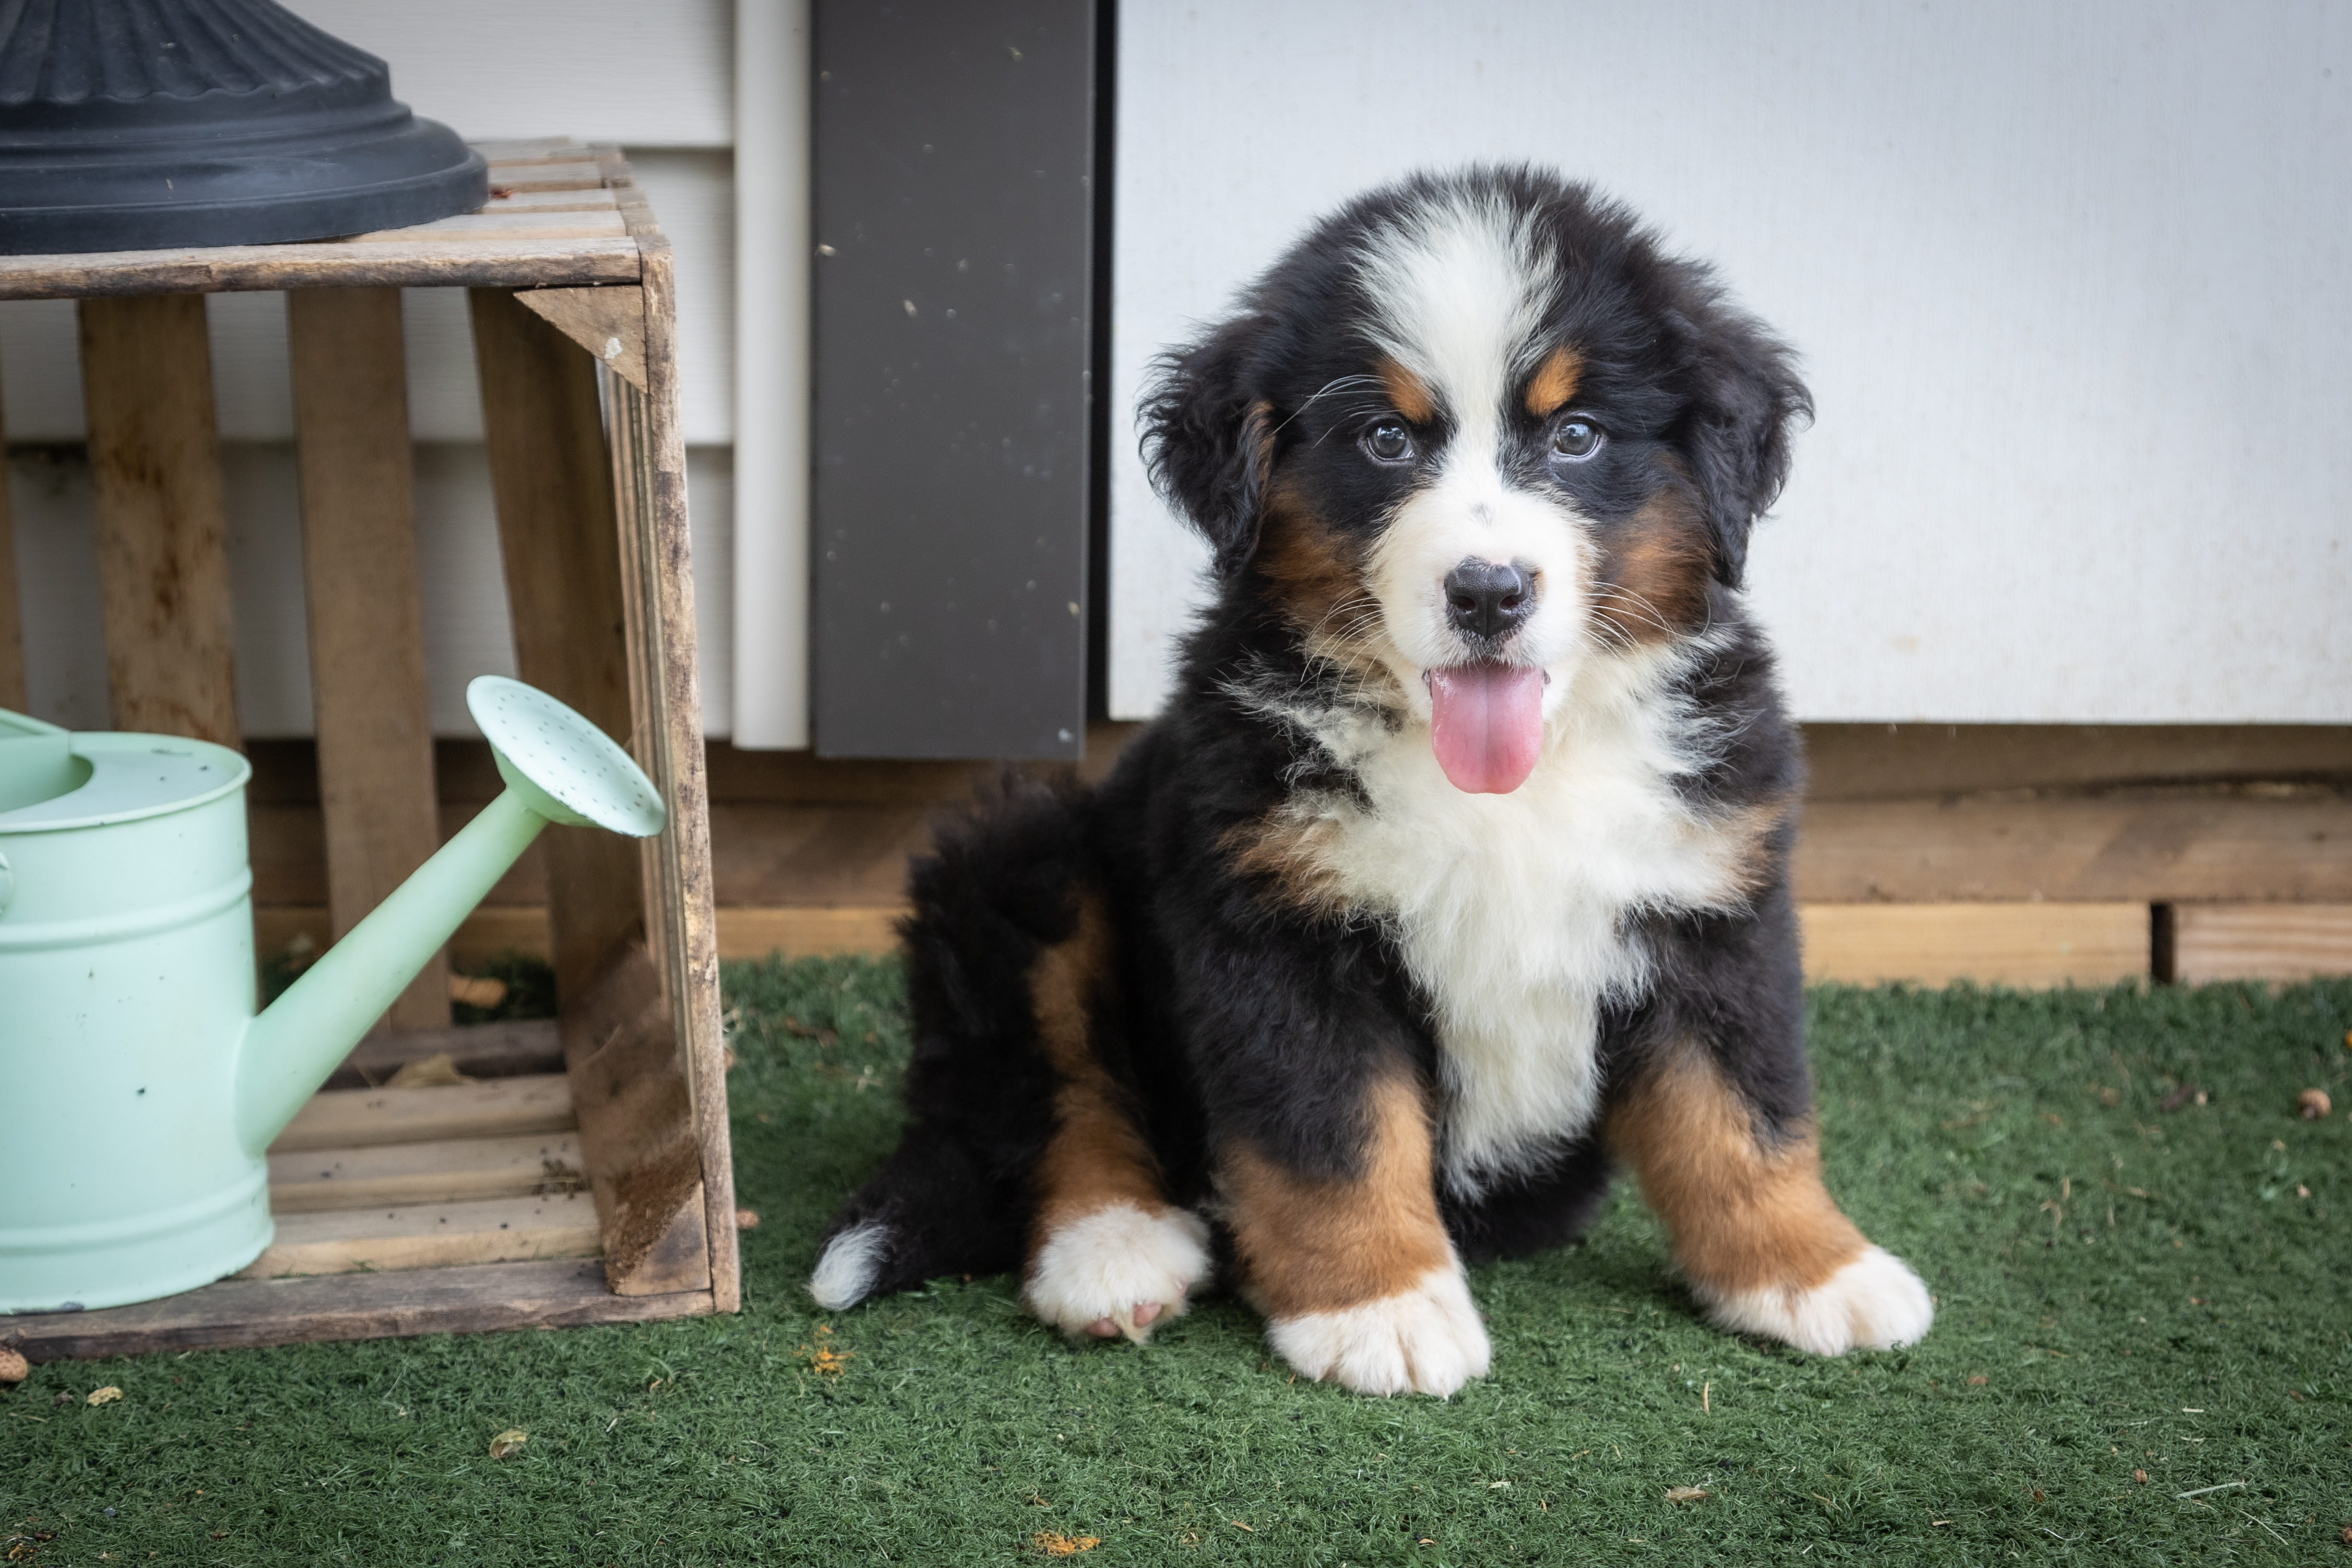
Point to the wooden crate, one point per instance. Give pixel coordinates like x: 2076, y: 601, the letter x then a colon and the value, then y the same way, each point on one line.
x: 590, y: 1181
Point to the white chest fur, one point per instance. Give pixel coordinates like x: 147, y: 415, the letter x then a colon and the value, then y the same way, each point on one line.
x: 1510, y: 908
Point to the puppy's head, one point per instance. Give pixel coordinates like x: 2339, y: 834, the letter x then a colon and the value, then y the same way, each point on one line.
x: 1470, y: 433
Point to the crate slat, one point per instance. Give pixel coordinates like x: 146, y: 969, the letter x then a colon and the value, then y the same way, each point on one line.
x: 553, y: 493
x: 250, y: 1312
x: 162, y: 552
x: 330, y: 264
x: 532, y: 150
x: 610, y: 323
x: 648, y: 453
x: 597, y: 200
x: 578, y: 174
x: 637, y: 1128
x: 505, y: 224
x: 366, y: 612
x: 357, y: 1118
x: 429, y: 1235
x: 444, y: 1171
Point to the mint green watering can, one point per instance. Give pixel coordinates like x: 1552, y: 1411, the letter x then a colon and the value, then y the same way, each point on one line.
x: 139, y: 1088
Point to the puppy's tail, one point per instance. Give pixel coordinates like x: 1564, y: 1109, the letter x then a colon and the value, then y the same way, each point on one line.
x: 930, y: 1211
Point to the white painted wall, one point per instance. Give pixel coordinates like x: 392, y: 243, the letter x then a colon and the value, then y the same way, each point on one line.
x: 2071, y: 283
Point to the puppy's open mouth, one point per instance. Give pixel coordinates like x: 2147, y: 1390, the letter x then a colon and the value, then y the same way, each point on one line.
x: 1487, y: 721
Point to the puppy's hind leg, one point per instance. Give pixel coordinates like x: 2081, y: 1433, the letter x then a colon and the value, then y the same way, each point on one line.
x: 1109, y: 1254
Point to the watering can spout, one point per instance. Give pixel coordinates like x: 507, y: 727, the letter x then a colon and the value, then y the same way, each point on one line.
x: 558, y: 768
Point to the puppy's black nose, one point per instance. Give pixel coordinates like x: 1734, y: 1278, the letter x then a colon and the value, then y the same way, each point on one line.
x: 1488, y: 599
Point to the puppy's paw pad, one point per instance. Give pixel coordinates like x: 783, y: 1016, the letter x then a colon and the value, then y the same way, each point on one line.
x: 1118, y: 1271
x: 1427, y: 1340
x: 1874, y: 1302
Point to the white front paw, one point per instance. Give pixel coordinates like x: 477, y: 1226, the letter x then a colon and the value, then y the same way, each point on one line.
x: 1427, y: 1340
x: 1117, y: 1266
x: 1874, y: 1302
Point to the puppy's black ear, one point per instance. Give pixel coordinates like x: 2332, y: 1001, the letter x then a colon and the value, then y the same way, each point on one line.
x: 1745, y: 398
x: 1208, y: 438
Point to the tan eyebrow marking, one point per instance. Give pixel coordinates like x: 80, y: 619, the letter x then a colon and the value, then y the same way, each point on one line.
x: 1408, y: 392
x: 1555, y: 381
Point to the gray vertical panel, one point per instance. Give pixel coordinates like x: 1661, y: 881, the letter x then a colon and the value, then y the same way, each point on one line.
x: 953, y: 145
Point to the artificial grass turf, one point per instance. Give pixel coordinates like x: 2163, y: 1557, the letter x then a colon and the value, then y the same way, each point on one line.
x: 2122, y: 1288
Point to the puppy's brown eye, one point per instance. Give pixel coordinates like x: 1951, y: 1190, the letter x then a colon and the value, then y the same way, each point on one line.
x: 1576, y: 440
x: 1389, y: 441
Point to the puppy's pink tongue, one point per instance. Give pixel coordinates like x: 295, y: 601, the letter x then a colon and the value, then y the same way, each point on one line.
x: 1488, y: 723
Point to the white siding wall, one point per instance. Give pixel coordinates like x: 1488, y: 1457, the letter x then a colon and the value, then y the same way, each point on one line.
x: 2070, y: 281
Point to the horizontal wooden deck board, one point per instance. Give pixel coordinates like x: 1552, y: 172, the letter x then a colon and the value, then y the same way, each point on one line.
x: 236, y: 1313
x: 2261, y: 942
x: 2032, y: 946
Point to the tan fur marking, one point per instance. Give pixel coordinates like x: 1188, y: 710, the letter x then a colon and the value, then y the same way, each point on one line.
x: 1408, y: 393
x: 1654, y: 575
x: 1744, y: 1215
x: 1095, y: 1157
x: 1555, y: 380
x: 1306, y: 1246
x: 1291, y: 849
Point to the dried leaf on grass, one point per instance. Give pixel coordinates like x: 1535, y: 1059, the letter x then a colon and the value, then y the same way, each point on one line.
x: 1053, y: 1543
x: 432, y: 1072
x: 1684, y: 1494
x: 747, y: 1219
x: 13, y: 1367
x: 508, y: 1442
x: 106, y: 1396
x: 2313, y: 1104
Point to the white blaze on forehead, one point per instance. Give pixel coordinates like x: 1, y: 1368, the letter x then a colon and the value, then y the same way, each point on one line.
x: 1458, y: 291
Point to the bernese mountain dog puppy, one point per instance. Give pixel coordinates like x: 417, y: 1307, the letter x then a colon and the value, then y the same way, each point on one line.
x: 1456, y: 874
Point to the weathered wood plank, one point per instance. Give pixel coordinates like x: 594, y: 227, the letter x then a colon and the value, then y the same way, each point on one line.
x: 597, y: 200
x: 250, y: 1312
x: 1880, y: 762
x: 638, y: 1129
x: 553, y: 482
x: 444, y: 1171
x: 573, y: 174
x: 2152, y: 846
x: 610, y: 323
x: 408, y: 264
x: 163, y: 554
x: 648, y: 446
x: 478, y: 1050
x: 501, y: 1107
x: 503, y: 222
x: 429, y: 1235
x: 366, y: 612
x: 2027, y: 945
x: 2261, y: 942
x: 532, y: 150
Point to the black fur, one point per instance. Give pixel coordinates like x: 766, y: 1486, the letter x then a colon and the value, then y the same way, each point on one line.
x: 1239, y: 1011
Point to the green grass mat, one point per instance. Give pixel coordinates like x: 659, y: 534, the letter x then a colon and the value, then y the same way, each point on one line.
x: 2124, y: 1291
